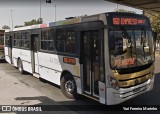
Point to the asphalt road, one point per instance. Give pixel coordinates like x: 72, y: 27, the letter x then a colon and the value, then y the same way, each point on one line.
x: 17, y: 89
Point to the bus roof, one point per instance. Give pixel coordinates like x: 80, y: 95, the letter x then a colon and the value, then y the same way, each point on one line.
x: 65, y: 22
x: 28, y: 27
x: 95, y: 17
x: 69, y: 21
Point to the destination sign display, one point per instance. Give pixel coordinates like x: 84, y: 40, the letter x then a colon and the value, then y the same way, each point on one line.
x: 128, y: 21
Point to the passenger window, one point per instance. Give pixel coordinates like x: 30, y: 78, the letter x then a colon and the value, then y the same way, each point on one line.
x: 25, y: 40
x: 65, y: 41
x: 16, y: 41
x: 47, y: 42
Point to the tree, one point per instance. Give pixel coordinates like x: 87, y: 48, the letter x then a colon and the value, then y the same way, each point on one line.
x: 40, y: 20
x: 33, y: 22
x: 155, y: 24
x: 26, y: 23
x: 17, y: 26
x: 154, y: 20
x: 5, y: 27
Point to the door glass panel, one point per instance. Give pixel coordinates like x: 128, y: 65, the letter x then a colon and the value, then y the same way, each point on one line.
x: 10, y: 48
x: 87, y: 61
x: 96, y: 53
x: 35, y: 44
x: 91, y: 61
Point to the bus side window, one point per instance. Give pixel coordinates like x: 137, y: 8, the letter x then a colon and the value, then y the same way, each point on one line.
x: 70, y: 46
x: 25, y: 40
x: 60, y: 40
x: 47, y: 42
x: 6, y: 39
x: 65, y: 41
x: 17, y: 39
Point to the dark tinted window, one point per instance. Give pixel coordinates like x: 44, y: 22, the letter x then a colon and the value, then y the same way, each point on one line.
x: 17, y: 39
x: 25, y: 40
x: 6, y: 39
x: 61, y: 40
x: 47, y: 42
x: 65, y: 41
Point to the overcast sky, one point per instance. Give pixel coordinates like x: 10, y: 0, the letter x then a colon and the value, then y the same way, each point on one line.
x: 26, y: 10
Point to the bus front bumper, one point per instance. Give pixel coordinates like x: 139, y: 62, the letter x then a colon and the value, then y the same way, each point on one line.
x: 123, y: 94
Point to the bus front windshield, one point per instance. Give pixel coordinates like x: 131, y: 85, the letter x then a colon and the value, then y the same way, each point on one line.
x: 130, y: 47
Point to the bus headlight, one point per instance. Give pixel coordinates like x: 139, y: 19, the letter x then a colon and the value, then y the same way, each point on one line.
x: 113, y: 82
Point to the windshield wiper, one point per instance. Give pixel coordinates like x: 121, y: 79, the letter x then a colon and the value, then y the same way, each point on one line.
x: 125, y: 34
x: 143, y: 37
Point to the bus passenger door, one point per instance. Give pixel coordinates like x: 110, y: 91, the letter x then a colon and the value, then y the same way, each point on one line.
x: 91, y: 54
x: 34, y: 54
x: 10, y: 49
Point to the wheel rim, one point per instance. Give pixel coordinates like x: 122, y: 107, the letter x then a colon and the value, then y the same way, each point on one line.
x: 70, y: 86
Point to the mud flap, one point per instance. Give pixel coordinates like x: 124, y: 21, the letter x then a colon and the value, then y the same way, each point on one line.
x: 78, y: 83
x: 102, y: 92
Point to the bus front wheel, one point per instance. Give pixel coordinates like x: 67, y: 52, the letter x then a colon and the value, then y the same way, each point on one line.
x: 20, y: 66
x: 68, y: 86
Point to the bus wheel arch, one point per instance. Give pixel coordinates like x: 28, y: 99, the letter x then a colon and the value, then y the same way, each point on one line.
x: 20, y: 65
x: 68, y: 85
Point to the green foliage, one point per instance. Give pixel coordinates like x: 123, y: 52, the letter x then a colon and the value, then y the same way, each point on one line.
x: 17, y: 26
x: 155, y: 22
x: 33, y: 22
x: 5, y: 27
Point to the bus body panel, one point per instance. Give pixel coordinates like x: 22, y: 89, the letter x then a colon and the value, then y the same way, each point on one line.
x: 36, y: 62
x: 27, y: 66
x: 108, y: 72
x: 51, y: 66
x: 15, y: 61
x: 50, y: 74
x: 119, y: 96
x: 7, y: 58
x: 25, y: 56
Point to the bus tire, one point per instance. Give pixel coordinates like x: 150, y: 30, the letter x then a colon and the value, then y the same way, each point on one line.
x: 68, y: 86
x: 20, y: 66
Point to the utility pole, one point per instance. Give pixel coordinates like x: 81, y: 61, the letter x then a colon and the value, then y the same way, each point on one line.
x: 50, y: 1
x: 11, y: 18
x: 40, y: 21
x: 54, y: 12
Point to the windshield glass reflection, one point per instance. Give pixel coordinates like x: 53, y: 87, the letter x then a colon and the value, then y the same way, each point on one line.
x: 130, y: 48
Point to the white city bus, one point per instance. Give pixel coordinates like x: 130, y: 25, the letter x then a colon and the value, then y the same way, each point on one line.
x: 108, y: 57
